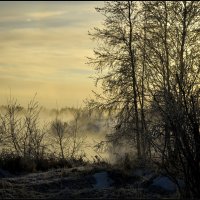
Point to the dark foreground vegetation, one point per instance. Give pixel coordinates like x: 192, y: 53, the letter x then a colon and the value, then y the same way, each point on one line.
x: 19, y: 165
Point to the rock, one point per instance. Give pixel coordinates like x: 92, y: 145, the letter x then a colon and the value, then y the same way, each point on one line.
x: 162, y: 185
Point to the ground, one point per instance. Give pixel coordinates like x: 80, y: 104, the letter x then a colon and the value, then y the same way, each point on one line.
x: 88, y: 182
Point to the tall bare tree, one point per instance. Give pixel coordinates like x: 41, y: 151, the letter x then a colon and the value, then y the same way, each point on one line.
x: 147, y: 62
x: 173, y: 60
x: 116, y: 62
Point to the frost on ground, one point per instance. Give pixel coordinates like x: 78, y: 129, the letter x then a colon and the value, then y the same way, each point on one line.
x: 87, y: 182
x: 102, y: 180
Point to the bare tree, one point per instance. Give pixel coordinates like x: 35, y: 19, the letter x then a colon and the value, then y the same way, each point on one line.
x: 173, y: 60
x: 76, y: 133
x: 33, y: 133
x: 59, y: 129
x: 11, y: 126
x: 21, y: 130
x: 118, y: 68
x: 66, y: 135
x: 147, y: 62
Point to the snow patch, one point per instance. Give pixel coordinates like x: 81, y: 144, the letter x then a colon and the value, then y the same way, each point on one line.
x: 102, y: 180
x: 164, y: 183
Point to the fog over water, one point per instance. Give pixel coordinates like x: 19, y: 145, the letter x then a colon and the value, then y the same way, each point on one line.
x: 92, y: 129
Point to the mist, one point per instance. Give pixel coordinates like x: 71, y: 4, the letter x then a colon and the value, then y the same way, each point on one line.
x: 92, y: 127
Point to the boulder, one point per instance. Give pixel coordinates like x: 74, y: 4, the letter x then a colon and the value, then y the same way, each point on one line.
x: 162, y: 185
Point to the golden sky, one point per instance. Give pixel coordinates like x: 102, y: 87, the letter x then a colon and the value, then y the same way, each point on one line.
x: 43, y: 49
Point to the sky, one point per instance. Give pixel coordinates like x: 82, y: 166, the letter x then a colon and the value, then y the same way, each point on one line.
x: 44, y: 47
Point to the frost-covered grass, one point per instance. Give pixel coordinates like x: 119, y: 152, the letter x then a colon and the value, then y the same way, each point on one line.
x: 85, y: 182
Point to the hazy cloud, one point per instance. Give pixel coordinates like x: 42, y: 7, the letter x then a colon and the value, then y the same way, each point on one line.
x: 43, y: 49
